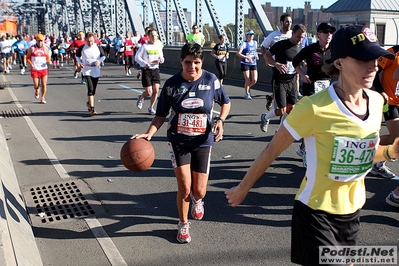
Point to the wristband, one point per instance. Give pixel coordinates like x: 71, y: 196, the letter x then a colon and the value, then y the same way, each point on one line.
x: 221, y: 119
x: 386, y: 154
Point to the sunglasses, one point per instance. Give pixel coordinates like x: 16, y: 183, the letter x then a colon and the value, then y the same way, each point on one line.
x: 327, y: 31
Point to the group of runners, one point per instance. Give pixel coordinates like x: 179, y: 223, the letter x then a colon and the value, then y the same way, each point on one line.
x: 344, y: 118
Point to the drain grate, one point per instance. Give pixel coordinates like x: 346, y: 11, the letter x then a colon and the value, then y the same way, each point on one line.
x: 14, y: 113
x: 3, y: 84
x: 59, y: 201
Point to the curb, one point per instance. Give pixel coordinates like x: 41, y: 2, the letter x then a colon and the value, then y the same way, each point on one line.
x: 17, y: 242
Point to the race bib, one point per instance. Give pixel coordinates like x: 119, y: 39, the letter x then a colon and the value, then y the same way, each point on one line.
x: 40, y: 62
x: 153, y: 60
x: 320, y: 85
x: 352, y: 158
x: 290, y: 68
x: 192, y: 124
x: 252, y: 57
x: 55, y: 51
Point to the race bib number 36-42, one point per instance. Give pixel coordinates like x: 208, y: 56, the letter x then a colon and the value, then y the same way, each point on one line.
x: 192, y: 124
x: 352, y: 158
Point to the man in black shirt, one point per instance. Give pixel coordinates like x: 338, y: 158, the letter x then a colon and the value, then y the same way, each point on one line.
x: 315, y: 56
x: 286, y: 92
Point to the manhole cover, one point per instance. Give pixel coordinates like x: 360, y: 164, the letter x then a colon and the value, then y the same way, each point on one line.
x: 60, y: 201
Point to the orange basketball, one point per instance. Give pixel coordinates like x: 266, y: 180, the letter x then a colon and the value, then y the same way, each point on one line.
x: 137, y: 155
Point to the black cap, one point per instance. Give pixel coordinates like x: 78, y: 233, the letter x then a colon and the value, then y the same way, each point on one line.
x: 358, y: 42
x: 325, y: 26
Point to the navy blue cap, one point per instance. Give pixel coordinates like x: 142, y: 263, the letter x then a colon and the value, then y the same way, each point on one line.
x: 358, y: 42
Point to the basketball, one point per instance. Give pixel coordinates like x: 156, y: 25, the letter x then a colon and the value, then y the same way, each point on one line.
x: 137, y: 155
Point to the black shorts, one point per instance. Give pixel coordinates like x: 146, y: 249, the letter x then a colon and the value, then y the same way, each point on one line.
x: 129, y: 60
x: 149, y: 77
x: 199, y: 158
x: 392, y: 113
x: 285, y: 92
x: 314, y: 228
x: 6, y: 55
x: 245, y: 67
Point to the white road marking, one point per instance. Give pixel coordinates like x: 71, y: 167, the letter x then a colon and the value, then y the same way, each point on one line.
x: 49, y: 152
x: 129, y: 88
x: 105, y: 242
x: 109, y: 248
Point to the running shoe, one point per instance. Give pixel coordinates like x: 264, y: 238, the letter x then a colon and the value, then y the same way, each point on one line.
x: 129, y: 72
x: 247, y: 96
x: 197, y: 208
x: 75, y: 75
x: 269, y: 102
x: 36, y: 94
x: 382, y: 172
x: 264, y: 123
x: 151, y: 111
x: 83, y: 82
x: 88, y: 106
x: 42, y: 100
x: 391, y: 200
x: 139, y: 74
x: 140, y: 102
x: 93, y: 111
x: 183, y: 232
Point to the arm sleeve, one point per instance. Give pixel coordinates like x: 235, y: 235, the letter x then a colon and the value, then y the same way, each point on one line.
x: 139, y: 56
x: 102, y: 54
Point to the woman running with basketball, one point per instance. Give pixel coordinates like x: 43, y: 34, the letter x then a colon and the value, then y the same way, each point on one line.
x: 189, y: 97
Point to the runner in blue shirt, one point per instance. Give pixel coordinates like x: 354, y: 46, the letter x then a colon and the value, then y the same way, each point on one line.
x: 189, y: 98
x: 20, y: 47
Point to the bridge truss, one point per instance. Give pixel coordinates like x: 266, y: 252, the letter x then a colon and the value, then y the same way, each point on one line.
x: 67, y: 17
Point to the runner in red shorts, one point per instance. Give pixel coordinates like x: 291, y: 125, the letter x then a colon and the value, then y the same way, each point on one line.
x: 38, y: 56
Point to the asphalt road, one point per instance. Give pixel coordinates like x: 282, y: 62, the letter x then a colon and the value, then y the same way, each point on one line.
x: 102, y: 214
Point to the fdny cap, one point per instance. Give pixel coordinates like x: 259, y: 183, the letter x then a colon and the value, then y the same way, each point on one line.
x: 358, y: 42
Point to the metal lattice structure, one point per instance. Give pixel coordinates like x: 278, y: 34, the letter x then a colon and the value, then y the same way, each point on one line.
x: 239, y: 22
x: 157, y: 19
x: 120, y: 17
x: 215, y: 19
x: 198, y: 14
x: 182, y: 17
x: 67, y: 17
x: 106, y: 24
x: 145, y: 13
x: 169, y: 22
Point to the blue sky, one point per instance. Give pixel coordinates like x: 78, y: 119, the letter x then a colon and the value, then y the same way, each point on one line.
x: 230, y: 8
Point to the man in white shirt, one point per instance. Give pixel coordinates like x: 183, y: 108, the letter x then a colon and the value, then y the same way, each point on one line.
x: 6, y: 54
x: 149, y: 56
x: 284, y: 33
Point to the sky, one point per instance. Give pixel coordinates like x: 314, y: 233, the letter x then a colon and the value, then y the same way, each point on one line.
x: 230, y: 8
